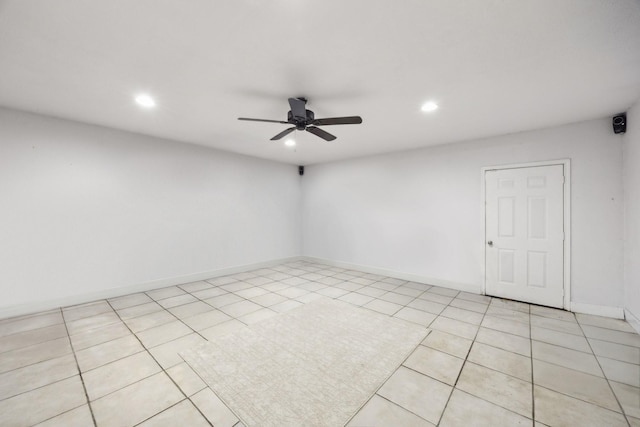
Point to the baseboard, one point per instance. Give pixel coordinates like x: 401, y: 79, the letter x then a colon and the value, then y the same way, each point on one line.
x: 633, y: 320
x: 466, y: 287
x: 35, y: 307
x: 597, y: 310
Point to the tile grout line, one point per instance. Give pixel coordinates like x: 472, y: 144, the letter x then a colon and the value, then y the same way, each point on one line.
x: 455, y: 383
x: 163, y: 370
x: 533, y: 386
x: 622, y: 411
x: 84, y: 386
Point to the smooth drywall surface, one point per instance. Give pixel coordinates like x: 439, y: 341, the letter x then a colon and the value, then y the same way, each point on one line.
x: 420, y: 212
x: 632, y: 211
x: 85, y: 208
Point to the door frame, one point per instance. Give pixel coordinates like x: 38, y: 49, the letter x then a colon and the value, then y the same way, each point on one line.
x: 566, y: 163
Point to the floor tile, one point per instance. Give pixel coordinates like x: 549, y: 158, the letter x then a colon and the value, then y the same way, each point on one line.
x: 30, y: 323
x: 604, y: 322
x: 371, y: 291
x: 383, y: 307
x: 464, y: 409
x: 556, y: 409
x: 504, y: 325
x: 191, y: 309
x: 440, y: 299
x: 576, y: 384
x: 177, y: 300
x: 186, y: 379
x: 149, y: 321
x: 416, y: 393
x: 139, y: 310
x: 213, y: 409
x: 623, y: 353
x: 129, y: 301
x: 498, y: 388
x: 99, y: 336
x: 553, y: 313
x: 484, y: 299
x: 206, y: 320
x: 455, y: 327
x: 268, y: 299
x: 88, y: 323
x: 426, y: 305
x: 37, y: 375
x: 204, y: 294
x: 137, y: 402
x: 78, y: 417
x: 508, y: 314
x: 610, y: 335
x: 462, y: 315
x: 510, y: 305
x: 505, y: 341
x: 629, y: 398
x: 285, y: 306
x: 405, y: 290
x: 85, y: 310
x: 396, y: 298
x: 450, y: 344
x: 184, y: 411
x: 25, y: 356
x: 469, y: 305
x: 557, y: 325
x: 257, y: 316
x: 380, y: 412
x: 167, y: 354
x: 416, y: 316
x: 383, y: 286
x: 356, y: 298
x: 223, y: 300
x: 195, y: 286
x: 164, y: 293
x: 622, y: 372
x: 504, y: 361
x: 240, y: 308
x: 164, y: 333
x: 109, y: 351
x: 43, y: 403
x: 236, y: 286
x: 258, y: 281
x: 251, y: 292
x: 219, y: 281
x: 568, y: 358
x: 561, y: 339
x: 436, y: 364
x: 32, y: 337
x: 327, y: 292
x: 119, y: 374
x: 293, y: 292
x: 223, y: 328
x: 443, y: 291
x: 347, y: 286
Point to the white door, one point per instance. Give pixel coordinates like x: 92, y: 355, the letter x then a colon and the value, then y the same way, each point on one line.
x: 524, y: 234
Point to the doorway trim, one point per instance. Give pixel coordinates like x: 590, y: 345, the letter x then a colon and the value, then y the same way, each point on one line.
x: 566, y: 163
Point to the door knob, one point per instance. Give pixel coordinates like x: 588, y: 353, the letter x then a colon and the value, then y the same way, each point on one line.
x: 490, y: 243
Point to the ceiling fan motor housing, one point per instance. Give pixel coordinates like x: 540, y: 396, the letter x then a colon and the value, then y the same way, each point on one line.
x: 301, y: 124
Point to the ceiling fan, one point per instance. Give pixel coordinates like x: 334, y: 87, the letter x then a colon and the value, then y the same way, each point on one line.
x: 303, y: 119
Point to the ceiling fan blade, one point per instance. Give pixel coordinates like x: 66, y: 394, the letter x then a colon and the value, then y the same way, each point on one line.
x: 283, y: 133
x: 353, y: 120
x: 321, y: 133
x: 298, y: 108
x: 263, y: 120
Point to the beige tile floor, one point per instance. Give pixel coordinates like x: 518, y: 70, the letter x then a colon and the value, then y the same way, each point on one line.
x: 487, y: 361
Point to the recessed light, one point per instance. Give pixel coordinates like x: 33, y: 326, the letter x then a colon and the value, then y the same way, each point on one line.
x: 430, y: 106
x: 145, y: 101
x: 290, y: 143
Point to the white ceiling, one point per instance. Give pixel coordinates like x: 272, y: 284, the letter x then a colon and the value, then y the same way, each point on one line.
x: 494, y: 67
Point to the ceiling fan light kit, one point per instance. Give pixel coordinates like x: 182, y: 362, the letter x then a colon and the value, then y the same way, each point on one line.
x: 304, y: 120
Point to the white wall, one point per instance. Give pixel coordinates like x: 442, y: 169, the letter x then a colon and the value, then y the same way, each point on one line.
x: 86, y: 209
x: 632, y: 215
x: 419, y: 212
